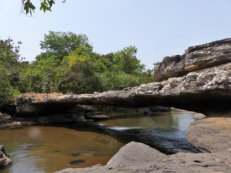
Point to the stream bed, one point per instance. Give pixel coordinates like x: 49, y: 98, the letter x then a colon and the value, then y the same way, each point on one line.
x: 45, y: 149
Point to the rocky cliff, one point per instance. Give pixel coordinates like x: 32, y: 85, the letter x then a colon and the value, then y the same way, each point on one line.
x: 195, y: 58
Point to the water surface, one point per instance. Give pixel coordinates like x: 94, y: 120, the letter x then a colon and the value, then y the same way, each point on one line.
x: 39, y: 149
x: 164, y: 131
x: 45, y: 149
x: 178, y: 120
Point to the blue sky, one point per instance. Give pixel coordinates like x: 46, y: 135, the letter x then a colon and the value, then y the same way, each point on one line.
x: 157, y: 28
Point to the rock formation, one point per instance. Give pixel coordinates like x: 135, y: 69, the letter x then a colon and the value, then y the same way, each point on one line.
x: 4, y: 158
x: 5, y: 118
x: 195, y: 58
x: 201, y: 91
x: 138, y: 157
x: 211, y: 135
x: 198, y: 80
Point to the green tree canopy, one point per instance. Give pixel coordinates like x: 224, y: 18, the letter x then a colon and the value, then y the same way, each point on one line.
x: 9, y: 69
x: 61, y: 44
x: 68, y: 64
x: 126, y: 61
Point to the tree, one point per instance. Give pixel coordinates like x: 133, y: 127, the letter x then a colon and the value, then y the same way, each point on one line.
x: 126, y: 61
x: 45, y: 5
x: 68, y: 64
x: 10, y: 69
x: 62, y: 44
x: 80, y: 77
x: 41, y: 75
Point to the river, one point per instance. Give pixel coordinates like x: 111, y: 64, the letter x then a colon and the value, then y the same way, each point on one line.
x: 45, y: 149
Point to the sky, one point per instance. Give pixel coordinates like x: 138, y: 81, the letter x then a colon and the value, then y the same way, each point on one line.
x: 158, y: 28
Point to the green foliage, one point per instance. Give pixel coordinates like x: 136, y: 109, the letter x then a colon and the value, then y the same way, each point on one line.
x: 10, y: 70
x: 126, y: 61
x: 121, y: 80
x: 68, y: 64
x: 41, y: 76
x: 45, y: 5
x: 80, y: 78
x: 62, y: 44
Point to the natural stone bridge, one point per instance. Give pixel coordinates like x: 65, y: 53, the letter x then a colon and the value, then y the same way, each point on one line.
x: 199, y: 80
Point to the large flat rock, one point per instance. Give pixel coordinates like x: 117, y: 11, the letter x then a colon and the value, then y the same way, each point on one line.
x: 197, y: 91
x: 211, y: 135
x: 138, y: 157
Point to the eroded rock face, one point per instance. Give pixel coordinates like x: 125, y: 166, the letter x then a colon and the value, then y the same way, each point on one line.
x: 199, y: 91
x: 138, y: 157
x: 194, y: 58
x: 4, y: 158
x: 211, y: 135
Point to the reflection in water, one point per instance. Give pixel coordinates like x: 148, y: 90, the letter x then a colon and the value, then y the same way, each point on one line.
x: 39, y: 149
x: 179, y: 121
x: 48, y: 149
x: 165, y: 132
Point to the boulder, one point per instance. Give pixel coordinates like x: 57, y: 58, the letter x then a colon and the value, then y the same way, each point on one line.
x: 198, y: 116
x: 195, y: 58
x: 211, y: 135
x: 5, y: 118
x: 138, y: 157
x: 4, y: 158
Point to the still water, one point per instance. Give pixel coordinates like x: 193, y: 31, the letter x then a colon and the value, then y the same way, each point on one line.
x: 40, y: 149
x: 177, y: 120
x: 163, y: 131
x: 44, y: 149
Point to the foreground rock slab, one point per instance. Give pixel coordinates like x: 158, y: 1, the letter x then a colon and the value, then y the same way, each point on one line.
x: 211, y: 135
x: 4, y: 158
x: 138, y: 157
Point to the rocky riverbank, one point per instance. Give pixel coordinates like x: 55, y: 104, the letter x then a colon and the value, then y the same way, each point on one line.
x: 210, y: 135
x: 199, y: 80
x: 138, y: 157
